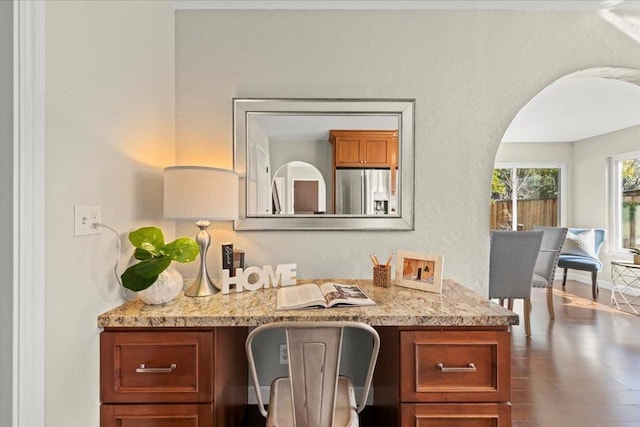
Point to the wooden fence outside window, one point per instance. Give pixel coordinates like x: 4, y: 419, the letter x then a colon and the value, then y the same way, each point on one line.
x: 530, y: 212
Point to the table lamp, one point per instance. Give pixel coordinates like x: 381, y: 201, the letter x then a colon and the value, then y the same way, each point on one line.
x: 202, y: 194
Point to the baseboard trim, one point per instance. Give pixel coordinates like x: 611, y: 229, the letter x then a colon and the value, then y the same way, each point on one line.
x: 583, y: 278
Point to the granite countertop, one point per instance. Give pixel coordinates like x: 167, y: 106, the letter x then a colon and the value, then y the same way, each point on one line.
x: 396, y: 306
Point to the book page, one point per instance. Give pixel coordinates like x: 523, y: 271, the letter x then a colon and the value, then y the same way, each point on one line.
x: 300, y: 296
x: 336, y: 294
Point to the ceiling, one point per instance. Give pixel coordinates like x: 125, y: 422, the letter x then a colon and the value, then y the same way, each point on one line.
x: 575, y: 108
x: 411, y: 4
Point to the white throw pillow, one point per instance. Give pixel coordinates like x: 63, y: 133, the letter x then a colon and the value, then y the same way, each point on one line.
x: 582, y: 243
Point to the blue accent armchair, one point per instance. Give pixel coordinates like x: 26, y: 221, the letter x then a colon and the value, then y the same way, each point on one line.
x: 584, y: 263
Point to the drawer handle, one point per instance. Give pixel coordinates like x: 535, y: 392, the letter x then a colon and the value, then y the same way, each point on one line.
x: 142, y: 369
x: 469, y: 368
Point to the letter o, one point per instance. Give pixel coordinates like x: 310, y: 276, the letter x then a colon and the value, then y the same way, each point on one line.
x: 255, y: 285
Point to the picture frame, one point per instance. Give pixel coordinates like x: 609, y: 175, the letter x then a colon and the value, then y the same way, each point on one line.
x: 419, y: 271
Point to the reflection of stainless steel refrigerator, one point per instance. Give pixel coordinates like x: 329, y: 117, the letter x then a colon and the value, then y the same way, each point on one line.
x: 362, y: 191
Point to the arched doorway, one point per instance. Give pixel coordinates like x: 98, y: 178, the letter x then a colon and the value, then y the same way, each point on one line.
x: 536, y: 165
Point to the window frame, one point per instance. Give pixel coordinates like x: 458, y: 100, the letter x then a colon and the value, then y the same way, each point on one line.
x: 615, y: 201
x: 562, y: 187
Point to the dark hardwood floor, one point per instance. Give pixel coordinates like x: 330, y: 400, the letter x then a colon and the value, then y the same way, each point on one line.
x: 580, y: 370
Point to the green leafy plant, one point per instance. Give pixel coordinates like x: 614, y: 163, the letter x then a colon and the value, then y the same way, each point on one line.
x: 155, y: 256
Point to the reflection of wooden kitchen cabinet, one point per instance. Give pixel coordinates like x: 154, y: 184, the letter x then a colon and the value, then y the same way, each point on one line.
x: 364, y: 148
x: 394, y: 166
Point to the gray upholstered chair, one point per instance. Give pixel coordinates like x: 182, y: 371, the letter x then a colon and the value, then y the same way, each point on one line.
x: 545, y: 269
x: 512, y: 261
x: 578, y: 255
x: 313, y: 394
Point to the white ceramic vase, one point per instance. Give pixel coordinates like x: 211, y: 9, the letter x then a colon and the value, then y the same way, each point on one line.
x: 165, y: 289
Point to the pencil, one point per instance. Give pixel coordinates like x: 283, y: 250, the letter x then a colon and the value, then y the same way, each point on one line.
x: 388, y: 260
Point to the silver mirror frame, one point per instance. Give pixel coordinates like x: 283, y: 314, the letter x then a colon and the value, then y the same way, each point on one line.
x: 404, y: 108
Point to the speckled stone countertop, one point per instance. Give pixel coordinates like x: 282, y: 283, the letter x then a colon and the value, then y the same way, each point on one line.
x: 396, y: 306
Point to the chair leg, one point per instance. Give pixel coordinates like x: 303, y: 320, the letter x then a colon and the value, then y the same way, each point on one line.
x: 527, y: 317
x: 501, y: 301
x: 564, y: 278
x: 552, y: 314
x: 510, y: 304
x: 594, y: 284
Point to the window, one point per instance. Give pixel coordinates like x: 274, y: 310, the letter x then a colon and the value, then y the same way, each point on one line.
x: 625, y: 191
x: 522, y: 197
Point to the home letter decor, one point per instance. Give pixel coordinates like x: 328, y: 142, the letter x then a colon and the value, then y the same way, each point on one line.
x: 246, y: 284
x: 285, y: 274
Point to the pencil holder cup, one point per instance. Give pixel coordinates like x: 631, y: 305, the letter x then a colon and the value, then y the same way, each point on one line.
x: 382, y: 275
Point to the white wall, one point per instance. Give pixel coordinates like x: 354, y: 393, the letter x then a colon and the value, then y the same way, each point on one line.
x: 469, y: 71
x: 591, y: 183
x: 109, y: 132
x: 6, y: 212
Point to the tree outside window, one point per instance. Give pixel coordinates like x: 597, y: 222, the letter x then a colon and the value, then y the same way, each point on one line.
x: 534, y: 193
x: 630, y: 169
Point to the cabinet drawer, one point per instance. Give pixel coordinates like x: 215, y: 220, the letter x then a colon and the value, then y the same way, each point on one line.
x: 139, y: 367
x: 455, y: 366
x: 456, y: 415
x: 157, y: 415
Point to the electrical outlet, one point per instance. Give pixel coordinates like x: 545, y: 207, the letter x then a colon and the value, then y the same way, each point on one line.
x: 85, y: 217
x: 284, y: 354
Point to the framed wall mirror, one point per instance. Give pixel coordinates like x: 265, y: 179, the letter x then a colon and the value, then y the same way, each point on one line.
x: 324, y: 164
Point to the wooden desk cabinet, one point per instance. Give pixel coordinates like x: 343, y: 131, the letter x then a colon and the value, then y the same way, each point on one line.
x: 198, y: 378
x: 436, y: 377
x: 155, y: 374
x: 173, y: 377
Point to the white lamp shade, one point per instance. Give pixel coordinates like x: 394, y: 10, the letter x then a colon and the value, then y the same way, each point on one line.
x: 200, y: 193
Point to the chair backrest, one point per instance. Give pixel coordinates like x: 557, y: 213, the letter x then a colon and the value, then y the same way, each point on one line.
x: 513, y: 257
x: 552, y: 241
x: 600, y: 234
x: 314, y: 350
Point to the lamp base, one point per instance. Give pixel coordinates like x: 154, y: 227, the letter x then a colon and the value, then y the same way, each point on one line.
x: 203, y: 285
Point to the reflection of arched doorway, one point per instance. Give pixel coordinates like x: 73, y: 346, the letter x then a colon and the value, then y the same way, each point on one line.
x: 577, y: 124
x: 298, y: 188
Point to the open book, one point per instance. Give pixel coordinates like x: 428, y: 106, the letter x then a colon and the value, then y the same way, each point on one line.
x: 326, y: 295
